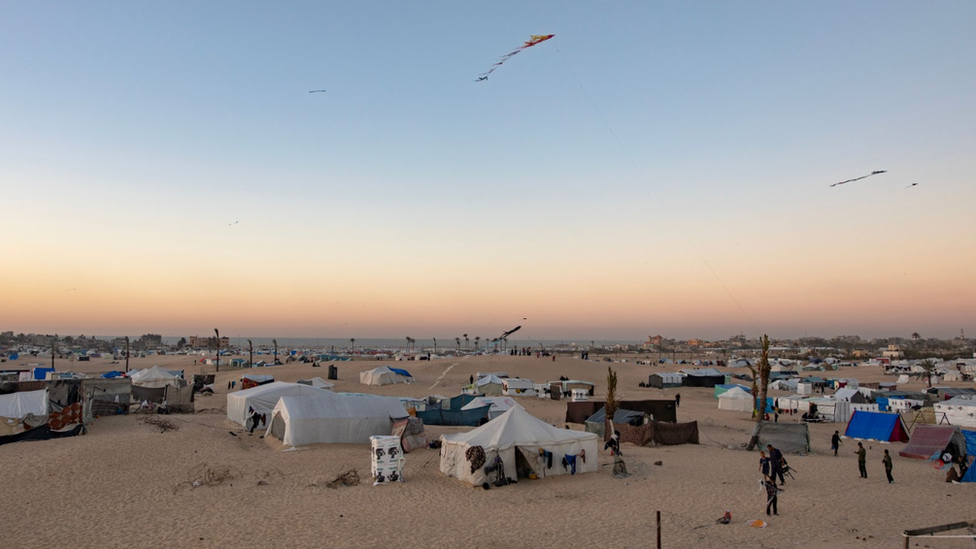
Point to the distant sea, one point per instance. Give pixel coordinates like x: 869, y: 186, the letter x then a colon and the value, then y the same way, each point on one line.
x: 401, y: 343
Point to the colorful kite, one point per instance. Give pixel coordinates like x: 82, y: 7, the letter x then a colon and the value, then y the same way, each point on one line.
x: 860, y: 178
x: 534, y: 39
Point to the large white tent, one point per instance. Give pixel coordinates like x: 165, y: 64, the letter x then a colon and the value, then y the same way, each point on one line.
x: 735, y: 399
x: 957, y: 411
x: 489, y: 384
x: 517, y: 437
x: 333, y: 418
x: 382, y: 376
x: 317, y: 382
x: 156, y: 377
x: 263, y: 398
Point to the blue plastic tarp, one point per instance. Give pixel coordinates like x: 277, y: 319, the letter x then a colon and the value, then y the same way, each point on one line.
x: 111, y: 374
x: 41, y: 373
x: 970, y: 475
x: 882, y: 403
x: 401, y: 371
x: 876, y: 426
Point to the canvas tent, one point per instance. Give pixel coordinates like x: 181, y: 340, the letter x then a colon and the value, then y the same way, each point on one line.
x: 786, y: 437
x: 736, y: 400
x: 719, y: 389
x: 516, y: 437
x: 155, y: 378
x: 665, y: 380
x: 317, y: 382
x: 597, y: 424
x: 328, y: 417
x: 849, y: 394
x: 497, y: 405
x: 703, y: 377
x: 449, y: 412
x: 930, y: 440
x: 956, y: 411
x: 877, y: 426
x: 489, y: 384
x: 264, y: 398
x: 384, y: 375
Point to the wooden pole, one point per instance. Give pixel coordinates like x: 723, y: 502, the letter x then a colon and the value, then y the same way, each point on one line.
x: 658, y: 530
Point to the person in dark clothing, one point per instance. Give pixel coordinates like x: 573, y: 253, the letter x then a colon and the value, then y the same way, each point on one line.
x: 771, y: 499
x: 677, y: 400
x: 887, y: 465
x: 862, y: 460
x: 764, y: 464
x: 835, y: 442
x: 776, y: 463
x: 471, y: 380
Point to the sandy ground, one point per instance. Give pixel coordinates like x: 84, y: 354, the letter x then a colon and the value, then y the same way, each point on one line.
x: 123, y: 484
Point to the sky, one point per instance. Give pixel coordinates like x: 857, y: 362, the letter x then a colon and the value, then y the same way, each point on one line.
x: 655, y: 168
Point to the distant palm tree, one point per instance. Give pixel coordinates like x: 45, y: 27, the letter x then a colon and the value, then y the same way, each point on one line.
x: 465, y: 342
x: 458, y: 341
x: 352, y: 341
x: 476, y: 340
x: 928, y: 365
x: 408, y: 341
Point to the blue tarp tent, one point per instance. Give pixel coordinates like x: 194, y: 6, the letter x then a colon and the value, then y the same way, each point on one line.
x: 13, y: 356
x: 877, y: 426
x: 41, y: 373
x: 401, y: 371
x: 112, y: 374
x: 970, y: 475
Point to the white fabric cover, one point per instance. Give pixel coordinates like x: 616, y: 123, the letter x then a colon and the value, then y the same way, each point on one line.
x: 845, y: 394
x: 155, y: 377
x: 735, y: 399
x: 381, y: 376
x: 18, y: 405
x: 499, y: 405
x: 959, y: 411
x: 263, y: 399
x: 317, y: 382
x: 329, y: 417
x: 517, y: 431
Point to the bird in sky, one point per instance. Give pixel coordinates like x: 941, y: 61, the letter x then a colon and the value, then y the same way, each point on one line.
x: 876, y: 172
x: 912, y: 185
x: 315, y: 91
x: 234, y: 223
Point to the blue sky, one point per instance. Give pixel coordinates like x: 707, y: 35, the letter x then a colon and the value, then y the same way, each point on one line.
x: 155, y: 125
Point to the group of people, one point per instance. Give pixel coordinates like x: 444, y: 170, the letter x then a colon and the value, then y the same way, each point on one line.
x: 772, y: 467
x: 862, y: 457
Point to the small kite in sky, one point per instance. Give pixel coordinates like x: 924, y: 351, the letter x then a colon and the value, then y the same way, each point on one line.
x: 876, y: 172
x: 912, y: 185
x: 315, y: 91
x: 234, y: 223
x: 534, y: 39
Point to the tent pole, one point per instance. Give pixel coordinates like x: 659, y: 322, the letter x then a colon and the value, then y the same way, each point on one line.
x: 658, y: 530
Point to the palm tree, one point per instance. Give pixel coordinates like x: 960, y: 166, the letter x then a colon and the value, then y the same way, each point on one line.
x: 764, y: 369
x: 458, y: 341
x: 465, y: 342
x: 408, y: 341
x: 476, y: 340
x: 352, y: 341
x: 611, y: 404
x: 928, y: 365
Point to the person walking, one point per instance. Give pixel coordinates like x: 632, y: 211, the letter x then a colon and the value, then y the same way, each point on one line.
x: 862, y: 460
x: 835, y: 442
x: 771, y: 492
x: 887, y: 465
x: 677, y: 400
x: 776, y: 463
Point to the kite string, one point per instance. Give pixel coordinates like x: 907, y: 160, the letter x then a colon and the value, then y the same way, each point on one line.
x: 656, y: 195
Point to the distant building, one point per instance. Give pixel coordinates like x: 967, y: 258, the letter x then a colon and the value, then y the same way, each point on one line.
x: 653, y: 341
x: 893, y: 351
x: 694, y: 343
x: 198, y: 342
x: 150, y: 341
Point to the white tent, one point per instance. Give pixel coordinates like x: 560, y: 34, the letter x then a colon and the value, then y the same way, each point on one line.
x: 952, y: 375
x: 517, y: 437
x: 735, y: 399
x: 18, y: 405
x: 381, y: 376
x: 263, y: 398
x: 903, y: 379
x: 957, y: 411
x: 333, y: 418
x: 845, y: 394
x: 156, y: 377
x: 489, y: 385
x: 317, y: 382
x: 499, y: 405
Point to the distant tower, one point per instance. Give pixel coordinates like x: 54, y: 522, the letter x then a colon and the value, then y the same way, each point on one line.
x: 962, y: 334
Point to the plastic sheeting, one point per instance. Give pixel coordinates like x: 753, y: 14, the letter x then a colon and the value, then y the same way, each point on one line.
x: 328, y: 417
x: 928, y: 440
x: 877, y: 426
x: 263, y: 399
x: 786, y: 437
x: 18, y: 405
